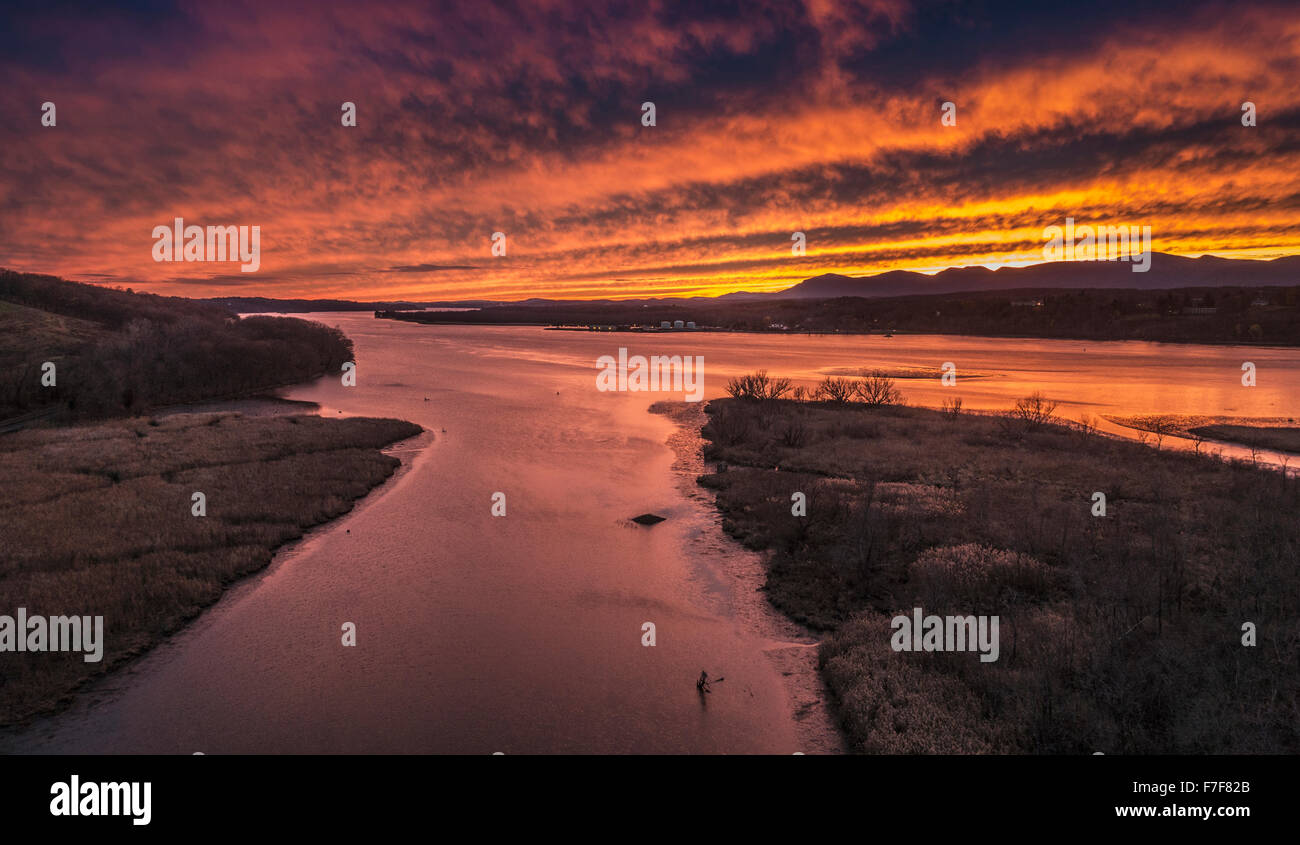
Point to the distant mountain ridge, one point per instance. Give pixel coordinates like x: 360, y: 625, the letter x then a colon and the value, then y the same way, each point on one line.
x: 1167, y: 271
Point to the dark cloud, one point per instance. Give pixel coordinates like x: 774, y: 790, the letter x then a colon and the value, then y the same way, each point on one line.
x: 524, y: 117
x: 222, y: 281
x: 427, y: 268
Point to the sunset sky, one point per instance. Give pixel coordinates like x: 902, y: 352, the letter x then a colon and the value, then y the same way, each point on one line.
x: 525, y: 118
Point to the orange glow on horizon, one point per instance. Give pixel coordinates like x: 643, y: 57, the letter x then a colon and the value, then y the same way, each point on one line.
x: 1129, y: 128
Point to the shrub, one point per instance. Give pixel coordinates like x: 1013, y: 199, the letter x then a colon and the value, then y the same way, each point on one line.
x: 758, y: 386
x: 794, y: 433
x: 1162, y: 427
x: 1034, y: 410
x: 728, y: 426
x: 891, y: 706
x: 857, y: 429
x: 980, y: 575
x: 836, y: 389
x: 878, y: 389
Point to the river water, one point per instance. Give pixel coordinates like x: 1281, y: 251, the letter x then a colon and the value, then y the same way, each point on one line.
x: 523, y: 633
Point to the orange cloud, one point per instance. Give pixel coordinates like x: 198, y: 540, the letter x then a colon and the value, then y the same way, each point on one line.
x: 822, y: 118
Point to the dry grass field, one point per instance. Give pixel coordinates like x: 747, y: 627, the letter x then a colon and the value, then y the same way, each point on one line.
x: 1119, y: 633
x: 96, y: 520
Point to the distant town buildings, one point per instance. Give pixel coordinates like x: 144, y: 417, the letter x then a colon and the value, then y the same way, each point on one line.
x: 1026, y: 303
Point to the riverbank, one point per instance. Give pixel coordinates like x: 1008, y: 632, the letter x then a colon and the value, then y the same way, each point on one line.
x: 791, y: 647
x: 1202, y: 315
x: 1120, y: 633
x: 884, y: 335
x: 1279, y: 434
x: 101, y: 520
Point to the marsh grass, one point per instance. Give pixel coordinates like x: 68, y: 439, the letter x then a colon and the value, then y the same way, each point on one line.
x: 1119, y: 634
x: 1282, y: 439
x: 1278, y: 433
x: 96, y: 520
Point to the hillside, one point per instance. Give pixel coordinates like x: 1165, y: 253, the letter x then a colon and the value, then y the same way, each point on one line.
x: 117, y: 351
x: 27, y: 333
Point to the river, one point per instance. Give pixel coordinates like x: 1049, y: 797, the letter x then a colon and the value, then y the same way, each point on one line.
x: 523, y: 633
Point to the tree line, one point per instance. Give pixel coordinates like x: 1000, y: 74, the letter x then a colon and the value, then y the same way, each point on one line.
x: 157, y: 350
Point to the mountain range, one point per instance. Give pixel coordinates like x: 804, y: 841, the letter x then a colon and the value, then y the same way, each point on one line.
x: 1166, y: 271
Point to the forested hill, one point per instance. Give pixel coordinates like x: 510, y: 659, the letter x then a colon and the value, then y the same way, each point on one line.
x: 117, y: 351
x: 109, y: 307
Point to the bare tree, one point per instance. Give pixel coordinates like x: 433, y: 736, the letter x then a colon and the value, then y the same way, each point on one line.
x: 1162, y: 427
x: 758, y: 386
x: 777, y: 388
x: 878, y: 389
x: 1034, y: 410
x: 838, y: 390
